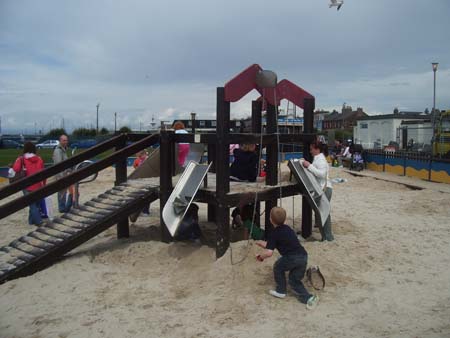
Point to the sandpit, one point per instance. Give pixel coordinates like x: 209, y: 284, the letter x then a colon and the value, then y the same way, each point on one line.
x: 387, y: 276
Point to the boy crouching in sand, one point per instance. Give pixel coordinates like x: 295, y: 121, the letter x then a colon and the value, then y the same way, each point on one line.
x: 294, y: 259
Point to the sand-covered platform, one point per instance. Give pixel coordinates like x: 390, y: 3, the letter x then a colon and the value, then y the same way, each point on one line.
x: 387, y: 276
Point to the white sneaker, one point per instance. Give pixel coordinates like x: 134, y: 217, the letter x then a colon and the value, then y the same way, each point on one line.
x: 277, y: 294
x: 312, y: 302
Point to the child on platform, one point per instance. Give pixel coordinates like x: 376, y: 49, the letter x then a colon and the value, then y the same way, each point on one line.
x: 294, y: 259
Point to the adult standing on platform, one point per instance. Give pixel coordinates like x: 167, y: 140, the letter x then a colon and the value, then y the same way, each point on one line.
x: 319, y: 168
x: 59, y: 155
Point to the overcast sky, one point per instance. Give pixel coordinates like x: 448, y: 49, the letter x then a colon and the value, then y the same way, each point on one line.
x: 164, y: 59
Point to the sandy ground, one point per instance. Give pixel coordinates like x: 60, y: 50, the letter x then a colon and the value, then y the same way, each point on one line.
x: 387, y: 275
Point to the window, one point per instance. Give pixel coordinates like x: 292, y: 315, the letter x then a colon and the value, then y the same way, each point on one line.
x: 363, y: 125
x: 202, y: 123
x: 213, y: 123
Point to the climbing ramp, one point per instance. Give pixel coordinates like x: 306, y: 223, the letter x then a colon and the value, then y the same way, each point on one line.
x: 312, y: 191
x: 42, y: 247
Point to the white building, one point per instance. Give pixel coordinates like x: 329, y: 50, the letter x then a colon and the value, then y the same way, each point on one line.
x: 375, y: 132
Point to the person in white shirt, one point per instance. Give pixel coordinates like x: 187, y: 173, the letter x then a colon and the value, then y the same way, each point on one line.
x: 320, y: 169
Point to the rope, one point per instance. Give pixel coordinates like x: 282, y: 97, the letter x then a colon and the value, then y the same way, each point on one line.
x: 256, y: 197
x: 278, y: 147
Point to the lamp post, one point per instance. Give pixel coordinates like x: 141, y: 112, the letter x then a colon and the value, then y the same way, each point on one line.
x: 435, y: 67
x: 433, y: 118
x: 115, y: 123
x: 98, y: 106
x: 193, y: 122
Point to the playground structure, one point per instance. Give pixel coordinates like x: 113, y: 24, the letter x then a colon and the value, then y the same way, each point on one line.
x: 42, y: 247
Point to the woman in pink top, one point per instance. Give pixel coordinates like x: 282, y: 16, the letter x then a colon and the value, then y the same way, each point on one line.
x: 183, y: 148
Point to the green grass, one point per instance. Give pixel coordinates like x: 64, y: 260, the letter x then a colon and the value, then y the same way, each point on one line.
x: 8, y: 156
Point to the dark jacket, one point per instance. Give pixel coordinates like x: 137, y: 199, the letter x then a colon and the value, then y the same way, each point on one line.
x: 245, y: 165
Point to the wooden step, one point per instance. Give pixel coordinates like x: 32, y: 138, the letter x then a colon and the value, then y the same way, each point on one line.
x: 64, y: 228
x: 112, y: 203
x: 26, y: 257
x: 54, y: 233
x: 83, y: 221
x: 119, y: 198
x: 98, y: 205
x: 87, y: 214
x: 46, y: 238
x: 5, y: 257
x: 100, y: 211
x: 70, y: 223
x: 36, y: 242
x: 25, y: 247
x: 6, y: 267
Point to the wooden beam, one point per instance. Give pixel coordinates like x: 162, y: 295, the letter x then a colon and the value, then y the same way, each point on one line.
x: 165, y: 178
x: 123, y: 226
x: 222, y: 173
x: 308, y: 121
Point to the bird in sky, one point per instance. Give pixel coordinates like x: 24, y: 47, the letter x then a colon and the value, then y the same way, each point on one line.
x: 336, y: 3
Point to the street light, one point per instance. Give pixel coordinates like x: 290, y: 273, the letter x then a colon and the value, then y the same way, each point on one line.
x: 98, y: 106
x: 193, y: 122
x: 435, y: 67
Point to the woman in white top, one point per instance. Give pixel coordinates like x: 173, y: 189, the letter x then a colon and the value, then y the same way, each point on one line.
x: 320, y: 169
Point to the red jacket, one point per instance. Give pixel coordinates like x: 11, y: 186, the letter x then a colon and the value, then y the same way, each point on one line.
x: 32, y: 163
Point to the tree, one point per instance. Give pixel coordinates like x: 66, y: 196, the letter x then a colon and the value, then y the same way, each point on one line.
x: 84, y: 132
x: 125, y: 129
x: 56, y: 133
x: 104, y: 131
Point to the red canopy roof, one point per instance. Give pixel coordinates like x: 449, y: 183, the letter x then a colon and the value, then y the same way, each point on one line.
x: 244, y: 82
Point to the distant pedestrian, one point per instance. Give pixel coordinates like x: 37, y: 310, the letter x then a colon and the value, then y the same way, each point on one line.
x: 31, y: 163
x: 60, y: 154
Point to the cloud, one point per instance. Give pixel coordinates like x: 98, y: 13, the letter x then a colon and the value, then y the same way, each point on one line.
x: 165, y: 58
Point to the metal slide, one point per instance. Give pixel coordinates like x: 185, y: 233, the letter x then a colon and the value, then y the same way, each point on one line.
x: 312, y: 191
x: 151, y: 167
x: 42, y: 247
x: 183, y: 194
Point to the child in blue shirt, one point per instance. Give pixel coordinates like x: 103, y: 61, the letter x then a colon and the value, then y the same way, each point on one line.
x: 294, y: 259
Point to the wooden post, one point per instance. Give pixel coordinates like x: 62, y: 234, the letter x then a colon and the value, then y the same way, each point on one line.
x: 272, y: 149
x: 271, y: 161
x: 222, y: 173
x: 123, y: 226
x: 212, y: 169
x: 165, y: 189
x: 256, y: 117
x: 308, y: 127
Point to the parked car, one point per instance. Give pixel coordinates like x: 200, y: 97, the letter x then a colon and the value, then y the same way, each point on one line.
x: 10, y: 144
x: 83, y: 144
x: 49, y: 144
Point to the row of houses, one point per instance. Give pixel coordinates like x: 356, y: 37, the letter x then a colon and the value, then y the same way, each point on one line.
x: 400, y: 129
